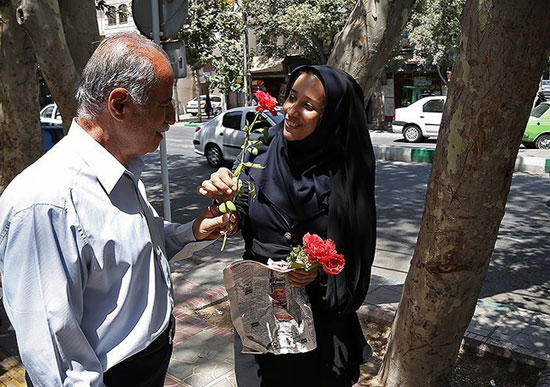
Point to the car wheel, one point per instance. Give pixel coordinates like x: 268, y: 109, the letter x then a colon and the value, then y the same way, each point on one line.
x: 193, y: 114
x: 543, y: 142
x: 214, y: 156
x: 412, y: 133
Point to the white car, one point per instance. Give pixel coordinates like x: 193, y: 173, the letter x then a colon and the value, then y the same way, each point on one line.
x: 193, y: 107
x: 420, y: 119
x: 50, y: 115
x: 221, y: 138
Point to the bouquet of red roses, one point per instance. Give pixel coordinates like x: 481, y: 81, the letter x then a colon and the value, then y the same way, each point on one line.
x: 314, y: 252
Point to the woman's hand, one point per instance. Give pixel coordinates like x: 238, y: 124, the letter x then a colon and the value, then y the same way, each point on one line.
x: 300, y: 278
x: 221, y: 185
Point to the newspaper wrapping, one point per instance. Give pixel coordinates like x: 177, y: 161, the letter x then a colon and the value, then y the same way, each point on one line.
x: 269, y: 314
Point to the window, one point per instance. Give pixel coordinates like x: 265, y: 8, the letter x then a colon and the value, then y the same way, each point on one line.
x: 215, y: 99
x: 261, y: 123
x: 111, y: 16
x: 433, y: 106
x: 540, y: 110
x: 47, y: 113
x: 232, y: 120
x: 123, y: 13
x: 57, y: 115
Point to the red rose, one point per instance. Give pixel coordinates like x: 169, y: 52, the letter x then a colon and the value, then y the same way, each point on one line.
x: 333, y: 264
x: 316, y: 248
x: 266, y: 102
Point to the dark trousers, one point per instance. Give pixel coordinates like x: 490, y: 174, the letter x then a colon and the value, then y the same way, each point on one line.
x: 144, y: 369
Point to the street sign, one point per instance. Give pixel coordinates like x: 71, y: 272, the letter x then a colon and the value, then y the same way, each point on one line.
x: 176, y: 53
x: 172, y: 15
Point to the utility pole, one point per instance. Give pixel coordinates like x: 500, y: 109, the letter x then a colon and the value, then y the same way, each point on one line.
x: 245, y: 61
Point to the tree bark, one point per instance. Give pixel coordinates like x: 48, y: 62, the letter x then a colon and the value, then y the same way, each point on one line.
x: 20, y: 138
x: 41, y: 20
x: 364, y: 46
x: 198, y: 91
x: 502, y: 54
x: 79, y: 20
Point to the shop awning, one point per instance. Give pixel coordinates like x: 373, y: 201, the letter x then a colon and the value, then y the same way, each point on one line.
x: 263, y: 64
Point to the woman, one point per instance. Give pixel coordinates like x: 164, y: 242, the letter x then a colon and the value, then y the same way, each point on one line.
x: 318, y: 178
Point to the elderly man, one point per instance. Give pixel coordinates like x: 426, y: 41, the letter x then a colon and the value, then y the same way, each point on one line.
x: 83, y: 254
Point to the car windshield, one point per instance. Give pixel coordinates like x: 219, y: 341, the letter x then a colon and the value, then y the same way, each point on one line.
x: 278, y: 118
x: 539, y: 110
x: 47, y: 113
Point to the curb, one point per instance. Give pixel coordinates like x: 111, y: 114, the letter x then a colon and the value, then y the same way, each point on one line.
x: 426, y: 155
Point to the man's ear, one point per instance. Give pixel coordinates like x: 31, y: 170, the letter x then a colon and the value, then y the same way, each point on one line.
x: 117, y: 103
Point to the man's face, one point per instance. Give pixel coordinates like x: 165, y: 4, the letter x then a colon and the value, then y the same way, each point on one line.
x: 147, y: 123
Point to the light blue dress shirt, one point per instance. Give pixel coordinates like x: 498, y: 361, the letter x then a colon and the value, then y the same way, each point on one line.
x: 83, y: 257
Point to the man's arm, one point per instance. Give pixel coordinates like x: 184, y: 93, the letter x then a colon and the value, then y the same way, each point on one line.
x: 185, y: 239
x: 44, y: 279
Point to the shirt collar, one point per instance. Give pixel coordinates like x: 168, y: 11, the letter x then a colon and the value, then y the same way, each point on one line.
x: 105, y: 166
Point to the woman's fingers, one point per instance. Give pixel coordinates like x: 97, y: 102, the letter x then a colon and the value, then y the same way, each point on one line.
x: 219, y: 186
x: 300, y: 278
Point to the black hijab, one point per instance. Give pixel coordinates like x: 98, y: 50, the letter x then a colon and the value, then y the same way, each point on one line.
x: 334, y: 167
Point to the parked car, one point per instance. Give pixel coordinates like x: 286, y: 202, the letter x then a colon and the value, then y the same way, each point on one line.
x: 420, y: 119
x: 537, y: 132
x: 221, y: 138
x: 50, y: 115
x: 193, y: 108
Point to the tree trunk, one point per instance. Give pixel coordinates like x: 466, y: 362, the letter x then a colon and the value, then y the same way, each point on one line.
x: 20, y: 138
x: 176, y: 100
x: 380, y: 117
x: 41, y: 20
x: 81, y: 31
x: 364, y: 46
x: 502, y: 54
x: 198, y: 90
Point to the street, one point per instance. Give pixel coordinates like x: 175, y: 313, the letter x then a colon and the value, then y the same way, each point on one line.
x: 517, y: 274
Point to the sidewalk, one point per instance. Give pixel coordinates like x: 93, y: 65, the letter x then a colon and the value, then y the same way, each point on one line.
x: 203, y: 352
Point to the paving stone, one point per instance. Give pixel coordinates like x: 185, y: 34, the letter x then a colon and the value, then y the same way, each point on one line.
x: 225, y: 382
x: 200, y: 379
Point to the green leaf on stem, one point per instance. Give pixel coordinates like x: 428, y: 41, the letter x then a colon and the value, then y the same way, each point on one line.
x: 254, y: 165
x: 230, y: 206
x: 222, y: 208
x: 251, y: 189
x: 238, y: 170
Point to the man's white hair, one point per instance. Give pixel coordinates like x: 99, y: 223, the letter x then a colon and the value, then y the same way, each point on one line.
x: 122, y: 60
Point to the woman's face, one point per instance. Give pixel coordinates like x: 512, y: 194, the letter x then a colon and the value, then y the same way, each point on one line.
x: 303, y: 107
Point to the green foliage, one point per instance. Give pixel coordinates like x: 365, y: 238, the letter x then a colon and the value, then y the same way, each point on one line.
x: 306, y: 25
x: 202, y: 30
x: 434, y: 29
x: 228, y: 68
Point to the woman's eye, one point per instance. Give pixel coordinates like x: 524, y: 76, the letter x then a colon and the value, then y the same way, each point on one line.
x: 291, y: 98
x: 309, y: 106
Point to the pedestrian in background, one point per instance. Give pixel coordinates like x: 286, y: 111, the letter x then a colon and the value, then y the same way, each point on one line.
x: 83, y: 255
x: 208, y: 106
x: 318, y: 178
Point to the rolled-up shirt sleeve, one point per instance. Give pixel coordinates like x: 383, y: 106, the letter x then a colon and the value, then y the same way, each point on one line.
x: 43, y: 277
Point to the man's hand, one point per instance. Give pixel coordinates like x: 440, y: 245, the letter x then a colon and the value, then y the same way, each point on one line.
x: 221, y: 185
x: 211, y: 224
x: 300, y: 278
